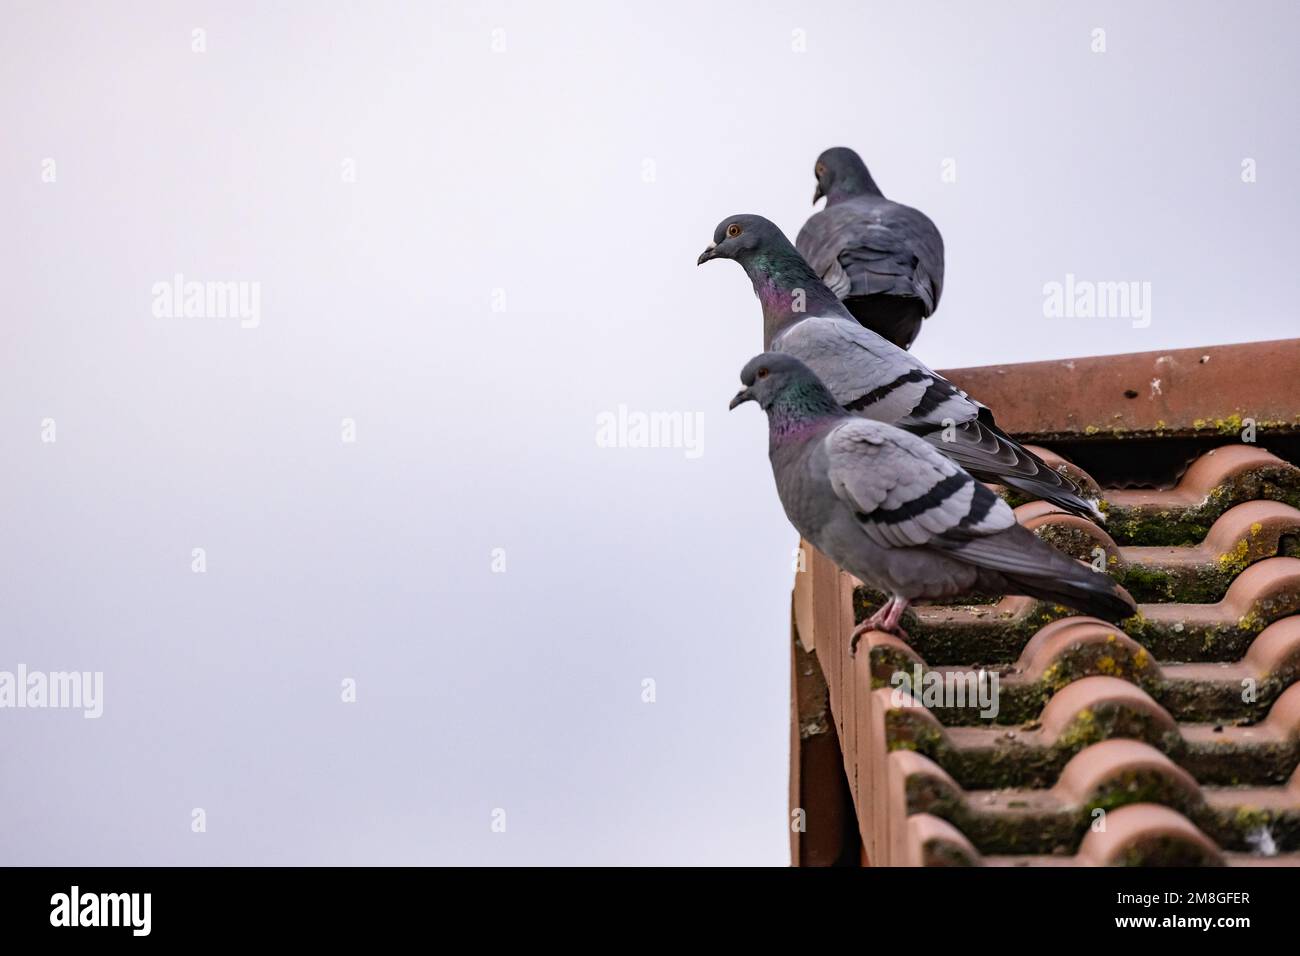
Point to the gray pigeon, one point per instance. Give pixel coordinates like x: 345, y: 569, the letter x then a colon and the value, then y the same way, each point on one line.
x: 886, y: 507
x: 874, y: 378
x: 884, y: 259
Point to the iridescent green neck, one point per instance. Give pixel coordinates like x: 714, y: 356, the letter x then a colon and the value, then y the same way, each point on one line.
x: 800, y: 409
x: 788, y: 290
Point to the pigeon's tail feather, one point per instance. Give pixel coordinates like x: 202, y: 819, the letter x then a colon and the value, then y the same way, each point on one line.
x: 1058, y: 493
x: 1110, y: 603
x: 1022, y: 563
x: 990, y: 454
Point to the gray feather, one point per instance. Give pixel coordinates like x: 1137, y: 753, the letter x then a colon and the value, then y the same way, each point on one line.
x: 877, y: 380
x: 869, y: 245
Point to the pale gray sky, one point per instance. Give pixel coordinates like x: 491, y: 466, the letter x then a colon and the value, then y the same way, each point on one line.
x: 524, y: 171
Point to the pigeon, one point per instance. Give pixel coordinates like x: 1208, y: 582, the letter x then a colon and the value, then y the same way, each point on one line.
x: 885, y: 506
x: 874, y: 378
x: 884, y: 259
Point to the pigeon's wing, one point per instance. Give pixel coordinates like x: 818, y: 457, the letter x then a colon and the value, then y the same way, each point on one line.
x: 873, y: 377
x: 981, y: 447
x: 836, y: 279
x: 904, y: 493
x: 872, y: 246
x: 897, y: 251
x: 989, y: 453
x: 818, y: 243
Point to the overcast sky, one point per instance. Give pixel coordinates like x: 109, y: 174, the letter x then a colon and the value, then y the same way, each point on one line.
x: 471, y: 230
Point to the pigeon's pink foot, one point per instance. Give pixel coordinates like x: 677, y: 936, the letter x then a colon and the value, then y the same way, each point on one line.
x: 886, y: 619
x: 896, y: 607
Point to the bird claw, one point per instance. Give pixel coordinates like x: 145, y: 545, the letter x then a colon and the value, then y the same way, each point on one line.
x: 857, y: 636
x: 887, y: 620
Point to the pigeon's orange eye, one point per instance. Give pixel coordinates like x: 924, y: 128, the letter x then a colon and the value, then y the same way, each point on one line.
x: 762, y: 373
x: 733, y: 231
x: 820, y: 170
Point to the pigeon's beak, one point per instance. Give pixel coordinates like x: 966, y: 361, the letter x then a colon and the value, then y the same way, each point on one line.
x: 742, y: 396
x: 817, y: 193
x: 707, y: 254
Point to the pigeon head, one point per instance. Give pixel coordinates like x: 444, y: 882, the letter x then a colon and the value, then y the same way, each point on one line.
x: 841, y: 174
x: 786, y: 286
x: 742, y: 238
x: 780, y: 382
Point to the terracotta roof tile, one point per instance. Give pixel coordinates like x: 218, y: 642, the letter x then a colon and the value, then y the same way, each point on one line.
x: 1171, y: 739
